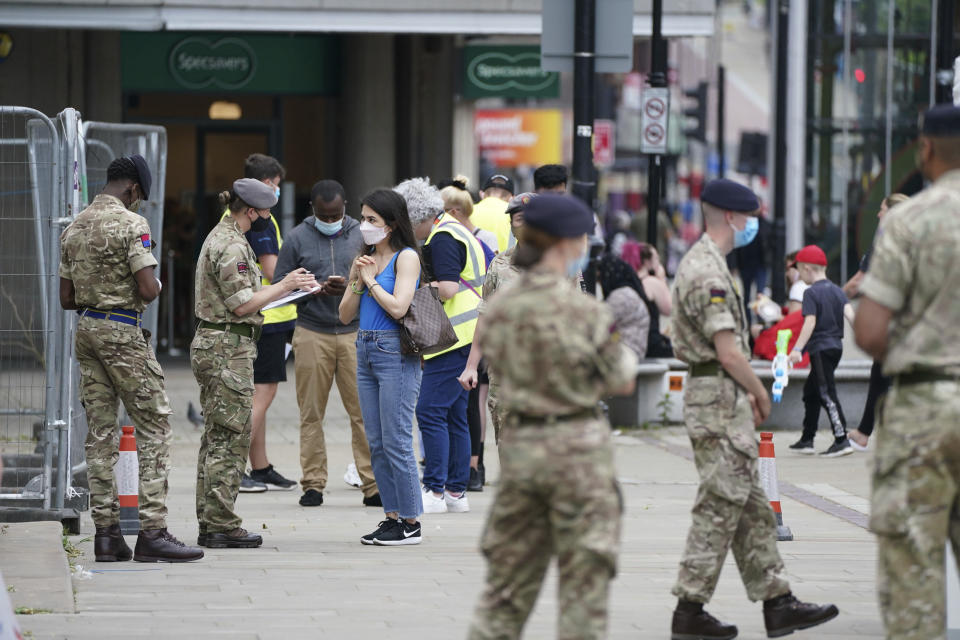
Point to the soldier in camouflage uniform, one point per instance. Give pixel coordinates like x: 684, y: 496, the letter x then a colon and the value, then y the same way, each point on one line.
x: 909, y: 317
x: 106, y: 274
x: 500, y: 273
x: 552, y: 349
x: 723, y: 402
x: 229, y: 297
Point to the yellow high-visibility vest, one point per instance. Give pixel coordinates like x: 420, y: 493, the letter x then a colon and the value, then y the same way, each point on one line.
x: 287, y: 312
x: 462, y: 309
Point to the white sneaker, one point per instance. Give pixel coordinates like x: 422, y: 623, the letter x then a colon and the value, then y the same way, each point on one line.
x: 351, y: 477
x: 433, y: 503
x: 857, y: 447
x: 456, y: 504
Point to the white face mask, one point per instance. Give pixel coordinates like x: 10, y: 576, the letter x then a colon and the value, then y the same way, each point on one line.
x: 371, y: 234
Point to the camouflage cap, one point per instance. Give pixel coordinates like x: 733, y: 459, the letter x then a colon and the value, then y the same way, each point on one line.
x: 255, y: 193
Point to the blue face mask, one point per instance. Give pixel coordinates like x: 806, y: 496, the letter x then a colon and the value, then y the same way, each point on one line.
x: 328, y: 228
x: 276, y: 191
x: 578, y: 266
x: 745, y: 237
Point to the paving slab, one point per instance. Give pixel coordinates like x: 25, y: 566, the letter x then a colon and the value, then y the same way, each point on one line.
x: 35, y: 566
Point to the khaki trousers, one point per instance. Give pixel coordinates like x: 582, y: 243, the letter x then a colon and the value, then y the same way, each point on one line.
x: 321, y: 358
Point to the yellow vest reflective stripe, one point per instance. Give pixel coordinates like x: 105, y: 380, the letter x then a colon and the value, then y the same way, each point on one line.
x: 463, y: 308
x: 287, y: 312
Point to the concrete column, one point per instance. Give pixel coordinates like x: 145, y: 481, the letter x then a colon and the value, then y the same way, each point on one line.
x: 366, y: 140
x: 464, y: 143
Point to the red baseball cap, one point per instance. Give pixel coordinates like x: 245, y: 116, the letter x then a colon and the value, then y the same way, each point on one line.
x: 812, y: 254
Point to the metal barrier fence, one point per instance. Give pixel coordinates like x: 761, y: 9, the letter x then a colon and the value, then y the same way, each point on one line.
x: 50, y: 169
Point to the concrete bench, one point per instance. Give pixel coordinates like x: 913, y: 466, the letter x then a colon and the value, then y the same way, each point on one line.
x: 661, y: 382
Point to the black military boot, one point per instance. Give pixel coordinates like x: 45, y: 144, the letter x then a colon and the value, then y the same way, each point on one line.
x: 236, y: 539
x: 159, y: 545
x: 109, y: 545
x: 785, y: 614
x: 691, y: 622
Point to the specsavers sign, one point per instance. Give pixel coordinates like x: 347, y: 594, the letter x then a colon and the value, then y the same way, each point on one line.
x: 245, y: 63
x: 508, y: 71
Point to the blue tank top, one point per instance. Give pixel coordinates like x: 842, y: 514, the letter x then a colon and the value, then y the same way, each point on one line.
x: 372, y: 315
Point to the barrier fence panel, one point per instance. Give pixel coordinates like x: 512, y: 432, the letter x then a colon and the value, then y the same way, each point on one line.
x: 31, y: 420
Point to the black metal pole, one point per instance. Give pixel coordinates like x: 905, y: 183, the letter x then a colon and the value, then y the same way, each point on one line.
x: 658, y: 78
x: 584, y: 184
x: 945, y: 53
x: 778, y: 286
x: 721, y: 105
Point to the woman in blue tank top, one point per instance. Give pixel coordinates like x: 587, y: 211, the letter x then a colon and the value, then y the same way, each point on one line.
x: 381, y: 286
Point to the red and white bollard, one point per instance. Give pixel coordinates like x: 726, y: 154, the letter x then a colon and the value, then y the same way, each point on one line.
x: 127, y: 476
x: 768, y: 478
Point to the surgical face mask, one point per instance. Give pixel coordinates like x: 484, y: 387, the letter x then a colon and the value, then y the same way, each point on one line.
x: 745, y: 237
x: 260, y: 224
x: 328, y: 228
x: 276, y: 192
x: 371, y: 234
x: 578, y: 265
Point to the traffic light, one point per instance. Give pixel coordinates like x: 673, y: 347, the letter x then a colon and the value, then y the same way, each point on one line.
x: 696, y: 115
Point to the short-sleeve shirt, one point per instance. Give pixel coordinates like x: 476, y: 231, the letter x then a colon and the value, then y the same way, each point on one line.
x: 825, y: 300
x: 705, y: 301
x: 227, y: 276
x: 448, y: 257
x: 915, y: 272
x: 554, y: 349
x: 101, y: 250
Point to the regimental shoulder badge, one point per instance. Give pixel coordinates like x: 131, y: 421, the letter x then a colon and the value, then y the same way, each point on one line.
x: 145, y: 241
x: 718, y: 296
x: 241, y: 267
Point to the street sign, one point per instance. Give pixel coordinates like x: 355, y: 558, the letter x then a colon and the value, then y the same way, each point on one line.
x: 506, y: 71
x: 613, y: 36
x: 603, y: 143
x: 654, y: 114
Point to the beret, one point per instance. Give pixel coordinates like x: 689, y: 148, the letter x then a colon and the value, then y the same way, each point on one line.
x: 499, y: 180
x: 255, y: 193
x: 559, y: 215
x: 812, y: 254
x: 941, y: 120
x: 144, y: 172
x: 520, y: 201
x: 730, y: 196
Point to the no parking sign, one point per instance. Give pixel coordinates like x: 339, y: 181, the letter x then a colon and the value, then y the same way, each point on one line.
x: 655, y: 109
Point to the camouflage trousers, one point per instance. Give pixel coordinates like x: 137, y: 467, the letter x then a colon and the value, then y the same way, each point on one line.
x: 117, y: 364
x: 731, y: 509
x: 540, y: 513
x: 493, y: 403
x: 223, y: 366
x: 915, y: 506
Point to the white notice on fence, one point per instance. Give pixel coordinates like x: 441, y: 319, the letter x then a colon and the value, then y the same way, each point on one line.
x: 296, y: 294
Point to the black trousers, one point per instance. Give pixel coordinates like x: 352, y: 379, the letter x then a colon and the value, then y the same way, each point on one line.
x: 879, y: 385
x: 820, y: 390
x: 473, y: 420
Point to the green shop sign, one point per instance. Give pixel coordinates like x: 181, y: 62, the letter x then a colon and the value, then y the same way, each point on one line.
x: 245, y: 63
x: 507, y: 71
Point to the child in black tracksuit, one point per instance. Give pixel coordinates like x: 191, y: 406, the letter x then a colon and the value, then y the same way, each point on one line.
x: 824, y: 308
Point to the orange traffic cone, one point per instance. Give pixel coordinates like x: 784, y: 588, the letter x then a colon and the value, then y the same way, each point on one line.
x: 127, y: 476
x: 768, y: 478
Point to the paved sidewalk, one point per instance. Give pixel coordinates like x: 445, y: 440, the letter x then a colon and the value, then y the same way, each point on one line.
x: 313, y: 579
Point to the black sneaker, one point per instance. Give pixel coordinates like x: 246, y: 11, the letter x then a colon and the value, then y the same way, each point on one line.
x: 273, y: 480
x: 249, y: 485
x: 396, y: 536
x: 838, y: 448
x: 474, y: 483
x: 388, y: 523
x: 803, y: 446
x: 372, y: 501
x: 311, y: 498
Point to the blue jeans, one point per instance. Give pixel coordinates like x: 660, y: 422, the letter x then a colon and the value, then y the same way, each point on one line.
x: 388, y: 383
x: 442, y: 417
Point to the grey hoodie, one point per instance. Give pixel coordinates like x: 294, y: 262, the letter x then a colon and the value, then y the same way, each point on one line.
x: 322, y: 256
